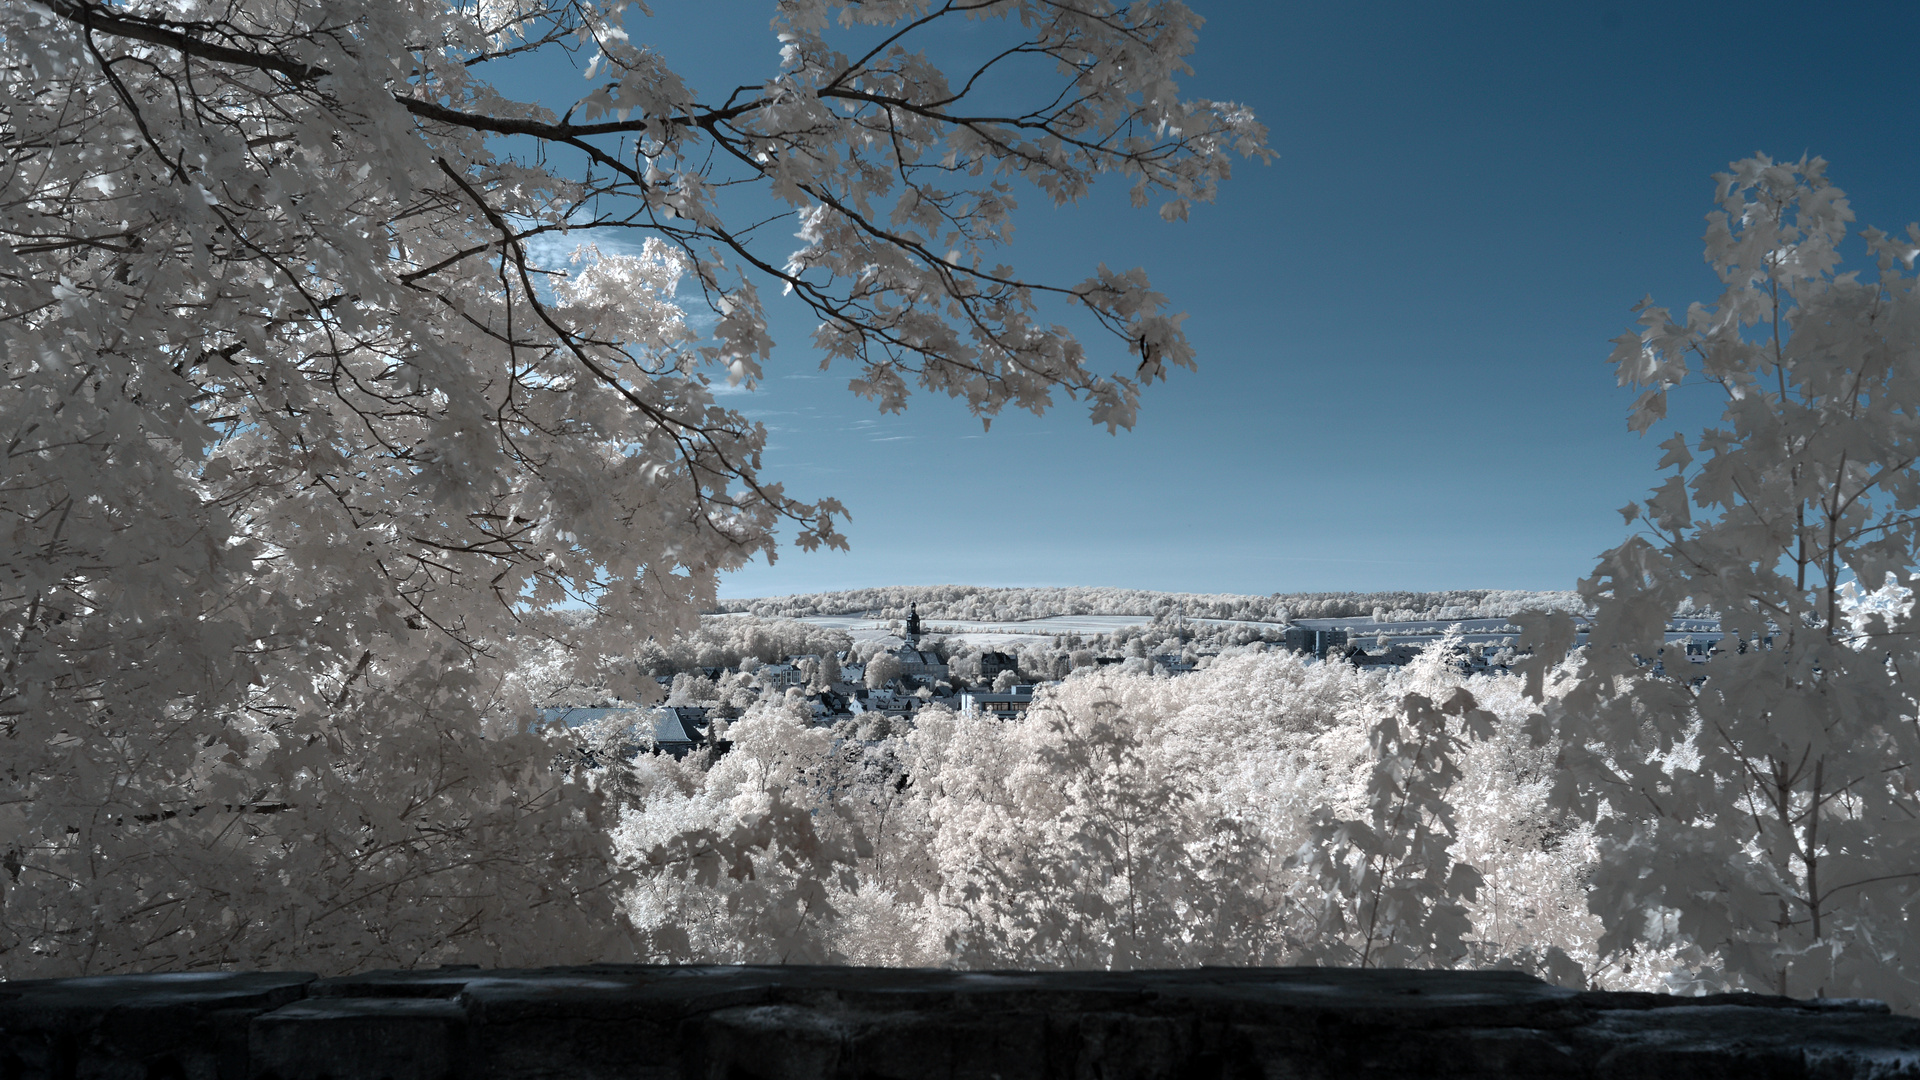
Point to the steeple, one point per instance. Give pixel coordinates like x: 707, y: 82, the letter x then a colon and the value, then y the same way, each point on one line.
x: 913, y: 625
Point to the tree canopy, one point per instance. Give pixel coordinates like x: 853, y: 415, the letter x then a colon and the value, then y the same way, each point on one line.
x: 306, y: 443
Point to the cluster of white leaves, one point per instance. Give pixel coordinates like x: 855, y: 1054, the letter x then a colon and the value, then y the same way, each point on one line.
x: 307, y: 449
x: 1864, y: 609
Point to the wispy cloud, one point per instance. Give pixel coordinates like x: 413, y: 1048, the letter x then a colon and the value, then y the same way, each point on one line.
x: 555, y: 252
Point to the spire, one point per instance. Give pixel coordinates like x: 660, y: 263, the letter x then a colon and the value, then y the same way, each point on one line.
x: 913, y: 625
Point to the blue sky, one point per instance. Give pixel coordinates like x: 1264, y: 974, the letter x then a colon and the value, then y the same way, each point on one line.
x: 1402, y: 322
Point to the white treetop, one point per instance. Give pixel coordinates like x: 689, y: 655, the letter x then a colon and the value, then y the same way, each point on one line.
x: 305, y: 442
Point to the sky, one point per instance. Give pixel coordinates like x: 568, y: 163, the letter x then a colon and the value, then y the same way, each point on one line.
x: 1402, y: 322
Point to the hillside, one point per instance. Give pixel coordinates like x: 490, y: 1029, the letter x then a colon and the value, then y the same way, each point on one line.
x: 967, y: 602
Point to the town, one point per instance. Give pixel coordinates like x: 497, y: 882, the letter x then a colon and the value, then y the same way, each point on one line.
x: 868, y: 676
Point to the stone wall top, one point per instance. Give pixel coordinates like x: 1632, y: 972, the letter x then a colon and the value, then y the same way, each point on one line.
x: 786, y: 1023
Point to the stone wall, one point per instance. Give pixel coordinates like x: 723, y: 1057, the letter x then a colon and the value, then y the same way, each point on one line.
x: 775, y: 1023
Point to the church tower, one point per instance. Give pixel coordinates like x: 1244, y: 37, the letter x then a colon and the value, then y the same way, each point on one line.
x: 913, y: 625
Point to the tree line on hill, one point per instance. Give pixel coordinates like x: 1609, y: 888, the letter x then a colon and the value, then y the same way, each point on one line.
x: 1009, y: 605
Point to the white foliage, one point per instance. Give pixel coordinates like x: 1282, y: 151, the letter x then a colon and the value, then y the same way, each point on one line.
x: 1127, y: 820
x: 308, y: 450
x: 1753, y: 815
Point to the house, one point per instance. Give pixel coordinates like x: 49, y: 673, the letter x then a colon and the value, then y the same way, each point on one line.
x: 778, y: 676
x: 1172, y: 663
x: 830, y: 703
x: 655, y: 730
x: 823, y: 706
x: 890, y: 702
x: 993, y: 663
x: 1701, y: 649
x: 693, y: 720
x: 1006, y: 705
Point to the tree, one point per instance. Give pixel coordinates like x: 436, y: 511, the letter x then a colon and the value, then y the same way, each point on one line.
x: 1386, y: 891
x: 1077, y: 845
x: 689, y: 689
x: 1755, y: 811
x: 748, y: 857
x: 307, y: 442
x: 882, y: 669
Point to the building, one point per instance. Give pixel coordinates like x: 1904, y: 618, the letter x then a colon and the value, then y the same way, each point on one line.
x: 1398, y: 654
x: 657, y: 730
x: 918, y: 664
x: 915, y: 663
x: 1003, y: 705
x: 1314, y: 641
x: 693, y: 720
x: 778, y: 676
x: 993, y: 663
x: 828, y: 704
x: 889, y: 702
